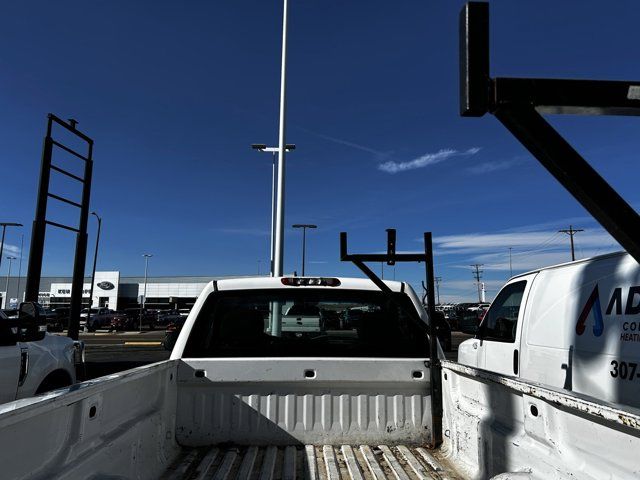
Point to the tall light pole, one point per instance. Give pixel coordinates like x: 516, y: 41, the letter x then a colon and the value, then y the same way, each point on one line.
x: 20, y: 267
x: 93, y: 272
x: 261, y: 147
x: 146, y: 256
x: 304, y: 227
x: 4, y: 226
x: 278, y: 258
x: 6, y: 287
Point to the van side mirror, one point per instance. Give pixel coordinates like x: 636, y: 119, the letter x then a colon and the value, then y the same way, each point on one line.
x: 33, y: 322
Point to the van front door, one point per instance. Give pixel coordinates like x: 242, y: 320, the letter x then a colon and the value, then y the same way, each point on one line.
x: 500, y: 329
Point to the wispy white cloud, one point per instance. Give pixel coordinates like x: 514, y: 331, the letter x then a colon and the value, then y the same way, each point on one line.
x: 425, y: 160
x: 347, y: 143
x: 529, y: 250
x: 11, y: 250
x: 494, y: 166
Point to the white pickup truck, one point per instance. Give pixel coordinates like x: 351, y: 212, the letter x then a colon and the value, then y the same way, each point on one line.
x: 353, y: 402
x: 31, y: 360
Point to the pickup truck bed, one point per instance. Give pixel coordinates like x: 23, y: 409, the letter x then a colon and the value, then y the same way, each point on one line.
x: 143, y: 424
x: 362, y: 462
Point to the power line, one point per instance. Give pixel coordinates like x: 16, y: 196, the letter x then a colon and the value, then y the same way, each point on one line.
x: 571, y: 232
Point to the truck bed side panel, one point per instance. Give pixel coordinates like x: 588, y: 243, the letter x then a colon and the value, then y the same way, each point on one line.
x: 495, y: 424
x: 297, y: 401
x: 121, y: 426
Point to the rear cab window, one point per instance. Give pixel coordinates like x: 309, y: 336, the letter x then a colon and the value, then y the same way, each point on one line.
x: 307, y: 322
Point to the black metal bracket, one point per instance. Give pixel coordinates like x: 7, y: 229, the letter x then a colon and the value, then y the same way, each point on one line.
x: 36, y: 251
x: 391, y: 258
x: 519, y: 102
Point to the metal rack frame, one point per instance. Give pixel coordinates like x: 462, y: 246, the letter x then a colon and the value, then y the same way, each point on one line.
x: 391, y: 258
x: 36, y: 251
x: 518, y: 104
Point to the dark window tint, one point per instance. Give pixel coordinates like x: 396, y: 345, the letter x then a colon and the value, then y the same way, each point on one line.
x: 501, y: 320
x: 307, y: 323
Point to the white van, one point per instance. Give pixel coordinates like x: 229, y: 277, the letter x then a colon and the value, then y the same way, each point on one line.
x: 574, y: 326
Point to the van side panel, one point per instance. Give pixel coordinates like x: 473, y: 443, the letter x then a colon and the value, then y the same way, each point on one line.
x: 582, y: 329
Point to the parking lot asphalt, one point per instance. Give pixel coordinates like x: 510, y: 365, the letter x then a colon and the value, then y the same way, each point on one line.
x: 111, y: 352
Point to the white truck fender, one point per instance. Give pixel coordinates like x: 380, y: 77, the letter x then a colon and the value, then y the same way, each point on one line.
x: 53, y: 353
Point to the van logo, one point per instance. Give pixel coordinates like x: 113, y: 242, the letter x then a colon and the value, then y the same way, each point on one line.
x: 106, y: 285
x: 592, y: 305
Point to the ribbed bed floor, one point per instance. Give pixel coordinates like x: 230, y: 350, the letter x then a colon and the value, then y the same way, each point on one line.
x: 309, y: 462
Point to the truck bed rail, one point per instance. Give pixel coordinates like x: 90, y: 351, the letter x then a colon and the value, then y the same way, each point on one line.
x: 627, y: 416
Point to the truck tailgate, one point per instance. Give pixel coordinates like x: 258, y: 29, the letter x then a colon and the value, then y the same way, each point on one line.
x: 302, y: 401
x: 312, y: 462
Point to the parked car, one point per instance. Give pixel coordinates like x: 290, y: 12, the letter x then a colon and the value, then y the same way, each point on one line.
x: 119, y: 321
x: 172, y: 331
x: 100, y: 318
x: 57, y: 319
x: 443, y: 331
x: 468, y: 320
x: 149, y: 319
x: 167, y: 316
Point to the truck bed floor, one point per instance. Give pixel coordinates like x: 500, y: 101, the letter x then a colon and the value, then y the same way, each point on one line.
x: 361, y: 462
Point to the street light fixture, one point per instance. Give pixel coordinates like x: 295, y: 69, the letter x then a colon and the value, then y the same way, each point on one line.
x: 4, y: 226
x: 93, y: 273
x: 6, y: 287
x: 261, y: 147
x: 304, y: 227
x: 146, y: 256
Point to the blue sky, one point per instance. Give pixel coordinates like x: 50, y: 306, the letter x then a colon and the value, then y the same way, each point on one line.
x: 175, y: 92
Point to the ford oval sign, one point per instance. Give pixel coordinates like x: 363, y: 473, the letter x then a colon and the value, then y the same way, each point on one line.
x: 106, y: 285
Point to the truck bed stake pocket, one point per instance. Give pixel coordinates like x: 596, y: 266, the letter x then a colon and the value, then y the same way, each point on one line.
x: 310, y: 373
x: 417, y: 374
x: 200, y: 374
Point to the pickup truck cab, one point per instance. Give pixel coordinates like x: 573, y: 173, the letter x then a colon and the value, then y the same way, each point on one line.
x: 574, y: 326
x: 31, y: 360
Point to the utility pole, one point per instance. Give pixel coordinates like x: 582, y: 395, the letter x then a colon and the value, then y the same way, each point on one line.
x: 477, y: 274
x: 510, y: 266
x: 304, y: 227
x: 438, y: 280
x: 571, y: 232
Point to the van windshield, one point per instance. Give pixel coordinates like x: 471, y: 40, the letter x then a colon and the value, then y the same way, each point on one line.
x: 306, y: 323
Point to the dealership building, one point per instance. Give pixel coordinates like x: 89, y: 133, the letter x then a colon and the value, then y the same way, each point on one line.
x: 112, y: 290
